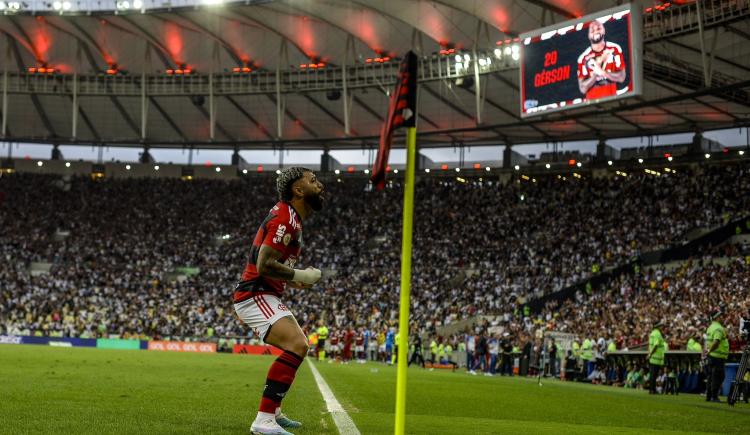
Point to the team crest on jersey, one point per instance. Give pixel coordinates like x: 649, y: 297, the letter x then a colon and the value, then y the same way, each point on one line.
x: 287, y: 238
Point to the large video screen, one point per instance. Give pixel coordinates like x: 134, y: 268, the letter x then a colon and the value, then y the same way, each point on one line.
x: 588, y: 60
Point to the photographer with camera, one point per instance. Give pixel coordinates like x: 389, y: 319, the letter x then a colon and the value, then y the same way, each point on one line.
x: 717, y: 351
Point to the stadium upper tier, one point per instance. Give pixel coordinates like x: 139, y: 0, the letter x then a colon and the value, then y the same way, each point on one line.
x: 286, y: 73
x: 106, y: 255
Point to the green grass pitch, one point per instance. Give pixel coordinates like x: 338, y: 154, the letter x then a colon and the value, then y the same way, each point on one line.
x: 79, y: 390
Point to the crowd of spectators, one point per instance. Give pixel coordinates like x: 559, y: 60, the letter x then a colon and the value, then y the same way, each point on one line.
x: 480, y: 247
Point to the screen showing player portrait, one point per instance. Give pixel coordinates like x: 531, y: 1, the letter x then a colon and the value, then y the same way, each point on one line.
x: 588, y: 60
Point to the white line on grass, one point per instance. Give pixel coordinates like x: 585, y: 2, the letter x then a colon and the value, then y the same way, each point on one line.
x: 343, y: 422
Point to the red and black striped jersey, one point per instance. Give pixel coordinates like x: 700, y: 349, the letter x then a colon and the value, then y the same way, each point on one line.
x: 282, y: 231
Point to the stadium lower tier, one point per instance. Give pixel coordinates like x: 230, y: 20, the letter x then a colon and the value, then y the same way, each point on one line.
x: 159, y: 258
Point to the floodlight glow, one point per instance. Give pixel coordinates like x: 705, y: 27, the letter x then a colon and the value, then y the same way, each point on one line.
x: 458, y: 169
x: 547, y: 166
x: 278, y: 171
x: 67, y: 164
x: 708, y: 156
x: 56, y: 6
x: 127, y: 167
x: 137, y: 4
x: 487, y: 169
x: 244, y: 171
x: 337, y: 172
x: 669, y: 158
x: 395, y: 171
x: 66, y: 6
x: 609, y: 162
x: 156, y: 168
x: 517, y: 167
x: 39, y: 163
x: 367, y: 171
x: 427, y: 170
x: 640, y: 160
x: 742, y: 153
x: 579, y: 164
x: 218, y: 169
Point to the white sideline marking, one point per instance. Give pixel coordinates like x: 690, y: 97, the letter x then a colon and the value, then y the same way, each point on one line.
x: 342, y: 420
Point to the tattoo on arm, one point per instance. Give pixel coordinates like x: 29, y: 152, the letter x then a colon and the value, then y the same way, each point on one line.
x: 269, y: 266
x: 616, y: 76
x: 585, y: 84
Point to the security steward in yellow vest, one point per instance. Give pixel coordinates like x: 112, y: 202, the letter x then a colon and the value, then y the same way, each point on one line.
x: 717, y: 351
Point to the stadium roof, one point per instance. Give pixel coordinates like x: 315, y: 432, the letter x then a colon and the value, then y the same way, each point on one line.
x: 260, y: 53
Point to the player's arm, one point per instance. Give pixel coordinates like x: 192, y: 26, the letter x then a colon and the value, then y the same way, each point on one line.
x: 615, y: 76
x: 584, y: 84
x: 268, y: 266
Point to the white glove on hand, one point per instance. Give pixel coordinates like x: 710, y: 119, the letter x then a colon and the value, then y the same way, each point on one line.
x: 308, y: 276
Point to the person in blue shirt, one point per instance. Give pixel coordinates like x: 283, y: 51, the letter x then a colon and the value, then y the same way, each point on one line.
x: 390, y: 340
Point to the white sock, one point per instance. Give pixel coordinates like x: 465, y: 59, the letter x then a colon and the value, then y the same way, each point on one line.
x: 264, y: 416
x: 278, y: 411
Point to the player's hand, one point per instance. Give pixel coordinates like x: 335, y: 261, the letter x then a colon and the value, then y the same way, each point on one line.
x: 308, y: 276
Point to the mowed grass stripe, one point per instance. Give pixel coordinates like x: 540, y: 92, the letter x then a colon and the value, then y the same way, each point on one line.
x: 367, y: 393
x: 92, y: 391
x: 430, y: 424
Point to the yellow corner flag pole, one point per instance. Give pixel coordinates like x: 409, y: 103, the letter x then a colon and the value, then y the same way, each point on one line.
x: 403, y: 318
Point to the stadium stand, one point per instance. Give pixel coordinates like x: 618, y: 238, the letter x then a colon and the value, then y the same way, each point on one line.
x: 481, y: 248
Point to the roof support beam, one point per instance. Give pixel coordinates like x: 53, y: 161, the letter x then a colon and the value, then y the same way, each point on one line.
x: 695, y: 50
x: 19, y: 61
x: 169, y: 120
x: 167, y: 63
x: 250, y: 117
x: 709, y: 105
x: 738, y: 32
x: 4, y: 108
x: 448, y: 103
x: 94, y: 67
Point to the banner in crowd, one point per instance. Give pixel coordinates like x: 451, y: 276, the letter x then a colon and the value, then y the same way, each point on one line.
x: 51, y: 341
x: 10, y: 339
x: 182, y: 346
x: 256, y: 349
x: 116, y: 343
